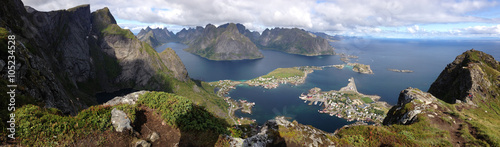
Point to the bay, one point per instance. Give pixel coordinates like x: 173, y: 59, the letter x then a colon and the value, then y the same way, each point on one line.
x: 427, y: 58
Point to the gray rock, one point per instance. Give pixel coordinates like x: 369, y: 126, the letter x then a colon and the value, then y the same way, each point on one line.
x: 127, y: 99
x: 120, y: 120
x: 416, y: 100
x: 153, y: 137
x: 142, y: 143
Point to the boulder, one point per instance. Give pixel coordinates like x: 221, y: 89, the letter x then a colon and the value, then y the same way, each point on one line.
x: 142, y: 143
x: 120, y: 120
x: 154, y: 137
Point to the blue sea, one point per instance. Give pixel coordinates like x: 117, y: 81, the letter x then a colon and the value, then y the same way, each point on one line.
x: 427, y: 58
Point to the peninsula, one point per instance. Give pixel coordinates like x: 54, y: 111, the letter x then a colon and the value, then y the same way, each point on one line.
x: 348, y: 103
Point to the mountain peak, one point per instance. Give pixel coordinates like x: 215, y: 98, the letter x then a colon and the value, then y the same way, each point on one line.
x: 102, y: 18
x: 472, y: 74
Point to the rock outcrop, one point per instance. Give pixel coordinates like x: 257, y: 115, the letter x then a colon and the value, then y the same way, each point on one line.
x: 120, y: 120
x: 127, y: 99
x: 222, y: 43
x: 471, y: 75
x: 295, y: 41
x: 268, y: 135
x: 411, y: 102
x: 271, y: 134
x: 156, y: 37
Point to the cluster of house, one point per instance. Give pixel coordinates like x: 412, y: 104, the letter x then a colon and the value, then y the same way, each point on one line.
x: 341, y: 105
x: 271, y: 83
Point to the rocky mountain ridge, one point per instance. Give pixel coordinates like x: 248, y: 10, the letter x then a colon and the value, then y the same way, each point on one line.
x: 295, y: 41
x: 211, y: 43
x: 222, y: 43
x: 157, y: 36
x: 470, y: 75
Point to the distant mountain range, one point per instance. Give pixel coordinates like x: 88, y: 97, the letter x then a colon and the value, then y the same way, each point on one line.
x: 234, y: 42
x: 220, y: 43
x: 156, y: 37
x: 295, y: 41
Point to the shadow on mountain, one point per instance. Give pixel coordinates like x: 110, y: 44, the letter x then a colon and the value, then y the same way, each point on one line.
x: 200, y: 128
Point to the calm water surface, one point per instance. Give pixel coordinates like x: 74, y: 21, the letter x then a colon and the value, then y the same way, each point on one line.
x: 427, y: 58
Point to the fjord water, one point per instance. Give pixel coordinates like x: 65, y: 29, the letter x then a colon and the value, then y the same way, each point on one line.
x: 427, y: 58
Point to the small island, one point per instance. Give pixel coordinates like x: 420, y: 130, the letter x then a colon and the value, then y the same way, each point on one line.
x: 356, y: 67
x: 402, y: 70
x: 348, y: 103
x: 346, y: 58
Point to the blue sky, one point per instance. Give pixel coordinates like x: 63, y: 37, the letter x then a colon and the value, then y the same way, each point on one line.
x: 375, y: 18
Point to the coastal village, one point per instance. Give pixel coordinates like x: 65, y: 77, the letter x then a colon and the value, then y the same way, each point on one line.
x: 348, y: 103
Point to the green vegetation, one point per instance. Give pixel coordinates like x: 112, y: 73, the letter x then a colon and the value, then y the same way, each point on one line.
x: 284, y: 73
x: 46, y: 127
x: 292, y: 135
x: 367, y: 100
x: 130, y: 110
x: 421, y: 133
x: 485, y: 120
x: 182, y: 113
x: 114, y: 29
x: 3, y: 42
x: 3, y: 33
x: 471, y: 140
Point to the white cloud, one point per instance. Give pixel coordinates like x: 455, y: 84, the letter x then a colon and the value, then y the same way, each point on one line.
x: 413, y: 29
x: 488, y: 30
x: 338, y: 16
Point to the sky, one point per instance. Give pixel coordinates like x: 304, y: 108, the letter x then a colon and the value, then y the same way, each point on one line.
x: 373, y: 18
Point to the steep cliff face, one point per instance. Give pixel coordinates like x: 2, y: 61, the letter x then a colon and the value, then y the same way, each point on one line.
x: 295, y: 41
x: 64, y: 57
x: 51, y: 53
x: 188, y: 36
x: 156, y: 37
x: 471, y: 75
x: 174, y: 64
x: 223, y: 43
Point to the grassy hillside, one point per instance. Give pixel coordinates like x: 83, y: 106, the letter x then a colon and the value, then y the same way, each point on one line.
x: 48, y: 127
x: 284, y: 73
